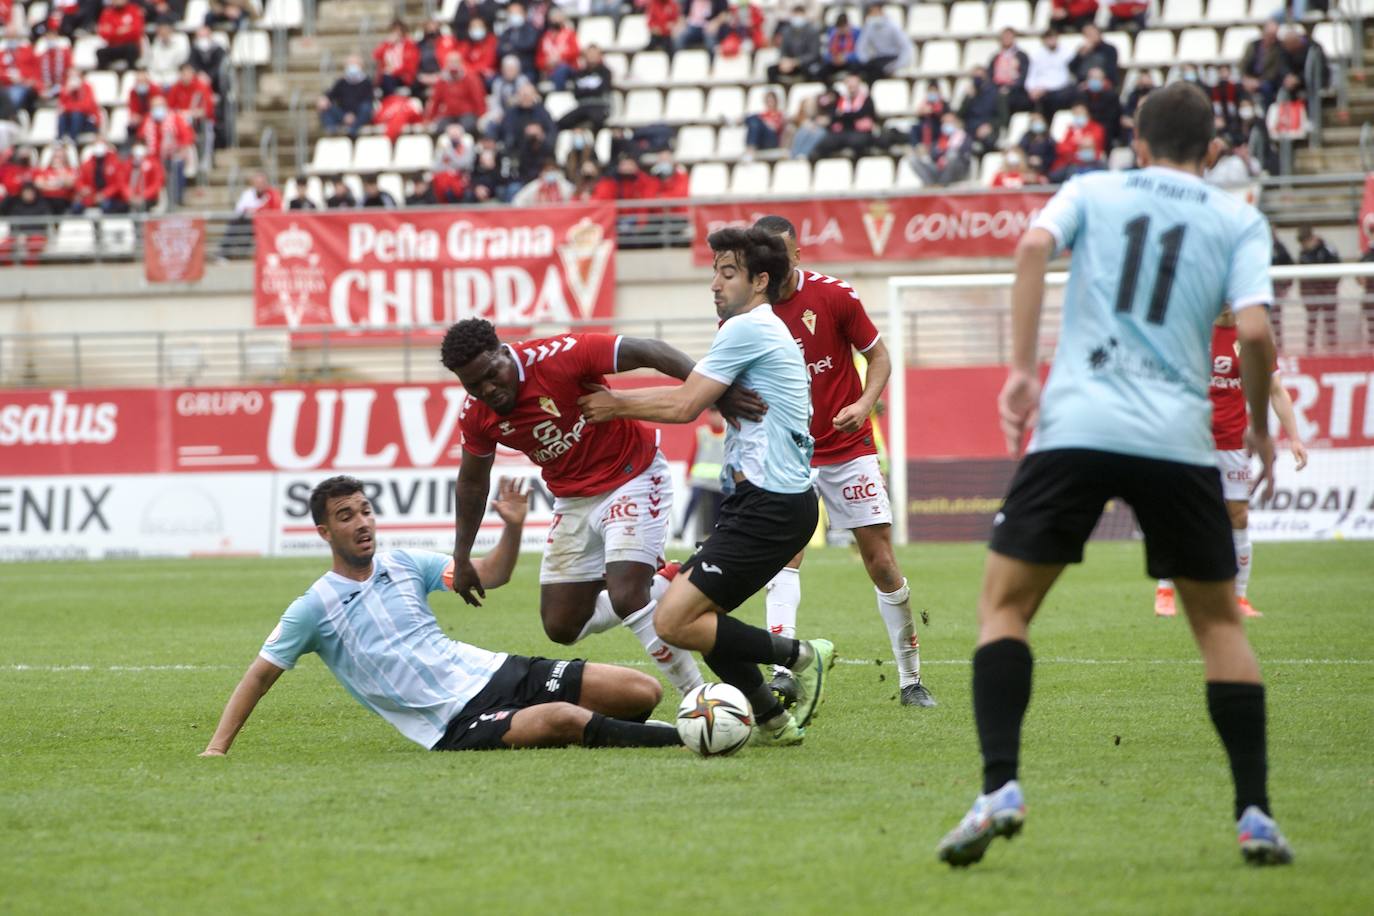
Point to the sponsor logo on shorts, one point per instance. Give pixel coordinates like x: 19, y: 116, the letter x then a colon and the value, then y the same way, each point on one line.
x: 863, y: 488
x: 555, y: 680
x: 1242, y: 474
x: 623, y: 508
x: 710, y: 568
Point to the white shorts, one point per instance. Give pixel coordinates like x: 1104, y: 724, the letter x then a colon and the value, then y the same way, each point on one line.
x: 629, y: 524
x: 1236, y: 474
x: 855, y: 494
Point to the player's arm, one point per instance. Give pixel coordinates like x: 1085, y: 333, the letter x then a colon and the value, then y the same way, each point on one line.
x: 1019, y: 402
x: 1283, y: 409
x: 680, y: 404
x: 735, y: 403
x: 852, y: 416
x: 1256, y: 341
x: 474, y: 482
x: 257, y: 680
x: 512, y: 503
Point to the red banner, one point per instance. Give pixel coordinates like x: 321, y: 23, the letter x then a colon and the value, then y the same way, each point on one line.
x: 379, y: 270
x: 1367, y: 213
x: 887, y: 228
x: 174, y: 250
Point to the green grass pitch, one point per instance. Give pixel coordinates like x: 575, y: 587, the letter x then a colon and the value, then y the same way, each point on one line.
x: 112, y: 676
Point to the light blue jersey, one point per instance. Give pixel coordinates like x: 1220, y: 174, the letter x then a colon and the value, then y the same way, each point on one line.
x: 756, y: 350
x: 1156, y: 252
x: 380, y: 639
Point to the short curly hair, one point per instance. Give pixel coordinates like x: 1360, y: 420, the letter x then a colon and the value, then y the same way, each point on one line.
x: 325, y: 490
x: 466, y: 340
x: 758, y: 251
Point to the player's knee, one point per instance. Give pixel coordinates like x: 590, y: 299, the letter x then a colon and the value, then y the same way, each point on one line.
x: 627, y: 597
x: 565, y: 722
x: 562, y: 631
x: 670, y: 625
x: 644, y: 691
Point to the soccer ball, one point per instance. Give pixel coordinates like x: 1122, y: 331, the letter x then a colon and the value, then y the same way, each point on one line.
x: 715, y: 720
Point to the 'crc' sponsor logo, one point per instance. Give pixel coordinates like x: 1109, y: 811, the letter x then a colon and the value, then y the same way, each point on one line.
x: 624, y: 507
x: 864, y: 488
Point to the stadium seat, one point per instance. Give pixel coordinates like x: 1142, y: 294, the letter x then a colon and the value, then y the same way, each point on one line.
x: 557, y: 104
x: 37, y: 12
x: 633, y: 34
x: 708, y: 179
x: 117, y: 124
x: 907, y: 179
x: 1121, y: 158
x: 1015, y: 14
x: 690, y: 66
x: 1265, y: 9
x: 754, y: 102
x: 105, y: 85
x: 1335, y: 38
x: 833, y: 176
x: 604, y: 141
x: 1040, y: 16
x: 618, y: 64
x: 1225, y: 12
x: 43, y: 127
x: 354, y: 185
x: 83, y: 52
x: 413, y: 153
x: 940, y: 56
x: 642, y: 106
x: 1197, y: 45
x: 371, y: 154
x: 791, y: 177
x: 1125, y: 50
x: 988, y: 168
x: 730, y: 69
x: 684, y: 105
x: 925, y: 20
x: 596, y: 30
x: 730, y: 143
x: 874, y: 173
x: 978, y: 51
x: 649, y: 67
x: 194, y: 17
x: 332, y: 155
x: 1154, y: 48
x: 117, y: 236
x: 892, y: 98
x: 1235, y: 41
x: 749, y: 179
x: 251, y: 49
x: 967, y: 18
x: 724, y: 104
x: 448, y: 9
x: 800, y: 93
x: 1017, y: 127
x: 1180, y: 12
x: 286, y: 14
x: 392, y: 184
x: 695, y: 143
x: 75, y: 238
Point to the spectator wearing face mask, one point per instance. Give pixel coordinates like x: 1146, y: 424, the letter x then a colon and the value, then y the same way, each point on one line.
x: 593, y: 91
x: 78, y: 112
x: 930, y: 112
x: 53, y: 61
x: 102, y: 181
x: 30, y: 220
x: 375, y: 197
x: 1129, y: 16
x: 1261, y: 66
x: 1087, y: 158
x: 453, y: 158
x: 521, y: 39
x: 16, y: 167
x: 336, y: 194
x: 1014, y: 173
x: 852, y: 125
x: 458, y: 96
x: 662, y: 17
x: 504, y: 91
x: 812, y: 123
x: 167, y: 51
x: 1008, y: 69
x: 884, y: 49
x: 667, y: 179
x: 525, y: 159
x: 56, y: 181
x: 798, y: 41
x: 840, y: 53
x: 146, y: 180
x: 983, y: 112
x: 1094, y: 52
x: 1082, y: 127
x: 397, y: 59
x: 192, y: 97
x: 592, y: 185
x: 19, y: 78
x: 1144, y: 85
x: 1103, y: 104
x: 435, y: 47
x: 121, y: 26
x: 210, y: 58
x: 1037, y: 144
x: 469, y: 12
x: 949, y: 159
x: 549, y: 188
x: 484, y: 187
x: 1072, y: 15
x: 528, y: 110
x: 478, y: 48
x: 559, y: 53
x: 347, y: 106
x: 142, y: 94
x: 168, y: 137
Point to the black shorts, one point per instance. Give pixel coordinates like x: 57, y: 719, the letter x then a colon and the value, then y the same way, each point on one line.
x: 1057, y: 496
x: 756, y: 534
x: 518, y: 684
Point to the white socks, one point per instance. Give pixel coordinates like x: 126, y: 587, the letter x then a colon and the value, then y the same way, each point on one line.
x: 1241, y: 538
x: 895, y: 609
x: 781, y: 600
x: 604, y: 617
x: 677, y: 665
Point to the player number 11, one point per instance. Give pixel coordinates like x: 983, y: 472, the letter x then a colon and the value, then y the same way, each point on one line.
x: 1172, y: 241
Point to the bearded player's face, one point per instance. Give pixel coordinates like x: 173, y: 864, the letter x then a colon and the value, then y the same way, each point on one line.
x: 491, y: 378
x: 730, y: 285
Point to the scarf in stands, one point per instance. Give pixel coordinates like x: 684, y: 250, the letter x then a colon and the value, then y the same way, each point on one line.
x: 1225, y: 99
x: 1006, y: 67
x: 842, y: 44
x: 53, y: 65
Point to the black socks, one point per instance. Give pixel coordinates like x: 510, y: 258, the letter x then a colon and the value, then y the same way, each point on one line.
x: 1237, y: 711
x: 1001, y: 692
x: 603, y: 731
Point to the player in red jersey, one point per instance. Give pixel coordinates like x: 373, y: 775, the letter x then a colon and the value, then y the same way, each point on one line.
x: 828, y: 322
x: 1228, y: 431
x: 612, y: 489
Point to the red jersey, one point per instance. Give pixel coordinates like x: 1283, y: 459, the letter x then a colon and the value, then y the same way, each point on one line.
x: 826, y: 319
x: 576, y: 458
x: 1228, y: 399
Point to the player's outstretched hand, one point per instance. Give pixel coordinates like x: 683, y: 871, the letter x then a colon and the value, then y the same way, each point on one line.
x: 1299, y: 453
x: 466, y: 581
x: 210, y: 752
x: 740, y: 403
x: 1261, y: 446
x: 850, y: 418
x: 599, y: 406
x: 512, y: 503
x: 1019, y: 407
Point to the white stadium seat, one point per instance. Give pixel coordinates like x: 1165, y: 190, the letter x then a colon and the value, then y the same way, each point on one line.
x: 117, y: 124
x: 874, y: 173
x: 708, y: 179
x: 792, y: 176
x: 684, y: 105
x: 649, y: 67
x: 892, y: 98
x: 832, y: 176
x: 43, y: 127
x: 618, y: 64
x: 695, y: 143
x: 1265, y: 9
x: 967, y: 18
x: 1226, y: 11
x: 690, y: 66
x: 392, y: 184
x: 978, y: 51
x: 251, y: 49
x: 1015, y: 14
x: 354, y: 185
x: 749, y: 179
x: 763, y: 59
x: 730, y: 143
x: 117, y: 236
x: 1181, y: 12
x: 83, y: 51
x: 1017, y: 127
x: 1197, y: 45
x: 633, y: 34
x: 332, y: 155
x: 1236, y: 40
x: 799, y: 94
x: 1124, y: 46
x: 557, y: 104
x: 642, y: 107
x: 413, y: 153
x: 730, y: 69
x: 371, y: 154
x: 287, y: 14
x: 725, y: 103
x: 1154, y: 48
x: 940, y: 56
x: 194, y: 17
x: 1059, y: 124
x: 924, y: 20
x: 907, y: 179
x: 989, y: 167
x: 105, y: 85
x: 1335, y: 38
x: 596, y: 30
x: 75, y: 238
x: 1040, y: 17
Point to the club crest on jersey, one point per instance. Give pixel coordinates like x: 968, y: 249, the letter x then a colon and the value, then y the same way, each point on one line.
x: 809, y: 319
x: 547, y: 405
x: 878, y: 220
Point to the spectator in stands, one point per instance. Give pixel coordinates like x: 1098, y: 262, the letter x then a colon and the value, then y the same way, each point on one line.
x: 374, y: 197
x: 227, y: 15
x: 853, y: 123
x: 741, y: 29
x: 1049, y: 81
x: 30, y: 220
x: 1013, y: 174
x: 453, y: 156
x: 884, y: 49
x: 1009, y: 67
x: 102, y: 181
x: 1071, y: 15
x: 1094, y: 52
x: 348, y: 104
x: 841, y: 48
x: 549, y: 187
x: 169, y: 138
x: 1231, y: 163
x: 19, y: 77
x: 1144, y: 85
x: 662, y: 17
x: 1099, y: 96
x: 1318, y: 295
x: 1250, y: 128
x: 1038, y: 145
x: 422, y: 193
x: 667, y: 179
x: 525, y: 158
x: 435, y: 47
x: 57, y: 180
x: 484, y: 186
x: 983, y: 112
x: 1128, y: 16
x: 258, y: 197
x: 146, y: 180
x: 593, y: 91
x: 478, y: 47
x: 397, y: 59
x: 1261, y: 66
x: 337, y: 196
x: 592, y: 185
x: 458, y: 96
x: 166, y: 54
x: 798, y: 40
x: 192, y: 97
x: 396, y: 113
x: 163, y: 12
x: 764, y: 129
x: 301, y: 201
x: 813, y: 123
x: 1287, y: 118
x: 930, y: 111
x: 470, y: 12
x: 121, y: 27
x: 560, y: 56
x: 71, y: 16
x: 948, y: 161
x: 141, y: 96
x: 1069, y: 150
x: 1367, y: 301
x: 528, y: 110
x: 9, y: 123
x: 701, y: 20
x: 1227, y: 96
x: 504, y: 91
x: 16, y: 167
x: 53, y: 62
x: 210, y: 58
x: 1297, y: 52
x: 78, y: 112
x: 521, y: 39
x: 1088, y: 157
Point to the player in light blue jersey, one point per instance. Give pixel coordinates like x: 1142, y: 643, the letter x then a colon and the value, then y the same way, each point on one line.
x: 369, y: 620
x: 769, y: 512
x: 1125, y: 414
